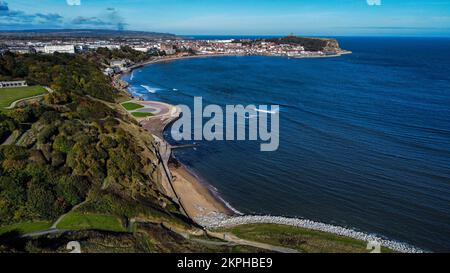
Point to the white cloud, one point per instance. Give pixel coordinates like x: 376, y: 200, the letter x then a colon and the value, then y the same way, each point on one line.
x: 73, y: 2
x: 374, y: 2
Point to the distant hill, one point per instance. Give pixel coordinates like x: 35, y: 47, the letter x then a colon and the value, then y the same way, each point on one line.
x: 310, y: 44
x: 84, y: 33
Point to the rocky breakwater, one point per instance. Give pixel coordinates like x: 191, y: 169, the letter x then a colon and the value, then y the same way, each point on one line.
x: 224, y: 221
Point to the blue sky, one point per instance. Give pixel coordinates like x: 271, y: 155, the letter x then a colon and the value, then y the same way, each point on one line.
x: 239, y: 17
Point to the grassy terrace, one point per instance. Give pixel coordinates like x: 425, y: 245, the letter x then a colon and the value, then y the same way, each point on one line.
x: 130, y: 106
x: 80, y: 221
x: 141, y: 114
x: 303, y: 240
x: 25, y: 227
x: 9, y: 95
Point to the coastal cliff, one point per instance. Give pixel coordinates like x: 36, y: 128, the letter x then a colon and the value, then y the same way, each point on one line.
x: 328, y: 45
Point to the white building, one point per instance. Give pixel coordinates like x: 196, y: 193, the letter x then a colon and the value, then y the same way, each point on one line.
x: 224, y: 41
x: 20, y: 49
x: 108, y: 71
x: 108, y: 46
x: 39, y: 49
x: 119, y: 65
x: 141, y: 49
x: 12, y: 84
x: 50, y: 49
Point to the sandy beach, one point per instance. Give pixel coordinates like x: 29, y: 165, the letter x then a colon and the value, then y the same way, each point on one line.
x: 195, y: 197
x: 168, y: 59
x: 175, y: 58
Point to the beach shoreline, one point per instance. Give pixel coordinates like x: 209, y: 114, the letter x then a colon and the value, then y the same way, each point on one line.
x: 196, y: 197
x: 204, y: 205
x: 176, y: 58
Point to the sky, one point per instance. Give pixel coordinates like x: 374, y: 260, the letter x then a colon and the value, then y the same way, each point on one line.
x: 235, y: 17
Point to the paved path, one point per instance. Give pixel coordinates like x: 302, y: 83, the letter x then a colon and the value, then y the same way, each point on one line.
x: 229, y: 239
x: 43, y: 232
x: 234, y: 239
x: 163, y: 114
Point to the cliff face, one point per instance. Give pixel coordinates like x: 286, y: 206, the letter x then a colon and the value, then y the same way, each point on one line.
x: 332, y: 45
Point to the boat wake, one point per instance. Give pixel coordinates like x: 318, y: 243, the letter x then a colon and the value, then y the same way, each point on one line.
x: 150, y: 89
x: 272, y: 112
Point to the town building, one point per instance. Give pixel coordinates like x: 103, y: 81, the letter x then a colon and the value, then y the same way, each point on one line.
x: 12, y: 84
x: 50, y: 49
x: 21, y: 49
x: 169, y: 49
x: 108, y: 46
x: 108, y: 71
x: 119, y: 65
x: 141, y: 49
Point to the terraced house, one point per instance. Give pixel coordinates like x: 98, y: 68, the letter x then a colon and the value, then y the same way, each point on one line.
x: 12, y: 84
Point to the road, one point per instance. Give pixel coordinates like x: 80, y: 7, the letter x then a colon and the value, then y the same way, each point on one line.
x: 43, y: 232
x: 238, y: 241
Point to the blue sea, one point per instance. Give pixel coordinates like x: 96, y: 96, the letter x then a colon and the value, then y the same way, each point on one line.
x: 364, y: 138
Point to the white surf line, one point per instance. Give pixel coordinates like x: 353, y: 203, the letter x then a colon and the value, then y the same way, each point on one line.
x: 150, y: 89
x: 220, y: 221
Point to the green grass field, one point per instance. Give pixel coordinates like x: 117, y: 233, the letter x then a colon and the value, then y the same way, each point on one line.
x: 303, y: 240
x: 130, y: 106
x: 9, y: 95
x: 79, y: 221
x: 141, y: 114
x: 26, y: 227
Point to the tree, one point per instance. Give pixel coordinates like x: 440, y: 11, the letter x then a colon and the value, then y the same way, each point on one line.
x: 40, y: 202
x: 63, y: 144
x: 74, y: 189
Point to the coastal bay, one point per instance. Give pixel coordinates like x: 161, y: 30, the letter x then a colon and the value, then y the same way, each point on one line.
x: 330, y: 167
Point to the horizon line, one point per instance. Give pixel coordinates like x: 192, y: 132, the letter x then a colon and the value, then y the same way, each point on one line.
x: 248, y: 35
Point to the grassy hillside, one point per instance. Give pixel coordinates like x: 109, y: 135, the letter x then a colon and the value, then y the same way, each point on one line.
x: 303, y: 240
x: 25, y: 227
x: 148, y: 238
x: 79, y: 146
x: 78, y: 221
